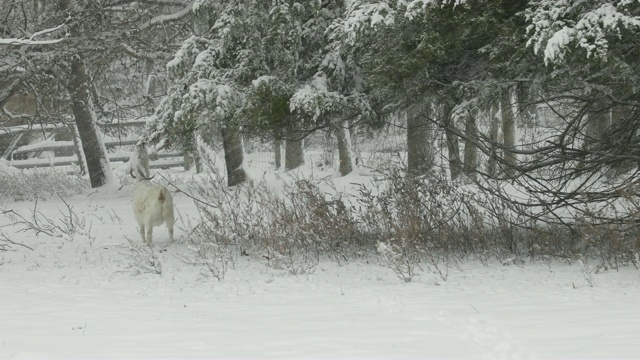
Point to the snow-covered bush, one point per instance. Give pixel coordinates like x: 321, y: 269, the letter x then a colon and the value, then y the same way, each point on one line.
x: 68, y: 225
x: 402, y: 259
x: 27, y: 185
x: 290, y: 231
x: 143, y: 259
x: 430, y: 212
x: 413, y: 225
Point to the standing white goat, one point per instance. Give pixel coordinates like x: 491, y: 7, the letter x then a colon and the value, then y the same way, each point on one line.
x: 152, y: 204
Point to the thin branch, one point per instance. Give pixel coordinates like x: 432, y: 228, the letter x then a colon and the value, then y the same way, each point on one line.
x: 186, y: 193
x: 31, y: 40
x: 4, y: 238
x: 160, y: 19
x: 141, y: 55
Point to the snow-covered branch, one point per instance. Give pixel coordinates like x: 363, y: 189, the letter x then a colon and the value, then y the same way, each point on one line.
x: 29, y: 41
x: 140, y: 54
x: 360, y: 16
x: 13, y: 116
x: 32, y: 41
x: 8, y: 91
x: 168, y: 17
x: 555, y: 25
x: 164, y: 2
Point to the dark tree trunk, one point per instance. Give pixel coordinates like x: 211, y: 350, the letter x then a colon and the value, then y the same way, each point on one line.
x: 328, y: 147
x: 526, y: 111
x: 77, y: 149
x: 277, y: 149
x: 493, y: 137
x: 508, y: 132
x: 345, y: 155
x: 82, y: 107
x: 294, y: 153
x: 455, y: 165
x: 419, y: 152
x: 470, y: 149
x: 598, y: 121
x: 233, y: 156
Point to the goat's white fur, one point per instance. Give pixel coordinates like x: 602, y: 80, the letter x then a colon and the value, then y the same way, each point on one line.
x: 152, y: 204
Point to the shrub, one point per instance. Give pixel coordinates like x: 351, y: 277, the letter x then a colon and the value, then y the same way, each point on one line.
x: 28, y: 185
x: 412, y: 225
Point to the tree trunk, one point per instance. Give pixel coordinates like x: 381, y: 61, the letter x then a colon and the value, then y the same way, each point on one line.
x: 493, y: 137
x: 188, y: 160
x: 277, y: 148
x: 508, y: 132
x: 455, y: 165
x: 92, y: 145
x: 345, y: 154
x: 526, y: 111
x: 470, y: 149
x: 355, y: 144
x: 294, y: 153
x: 77, y: 149
x: 328, y: 148
x: 233, y: 156
x: 419, y: 152
x: 619, y: 113
x: 598, y: 122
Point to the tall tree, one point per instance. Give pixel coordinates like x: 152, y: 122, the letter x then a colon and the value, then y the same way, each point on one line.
x: 95, y: 152
x: 420, y: 155
x: 508, y: 132
x: 470, y: 160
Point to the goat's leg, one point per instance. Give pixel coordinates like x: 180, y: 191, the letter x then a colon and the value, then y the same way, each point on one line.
x: 169, y: 221
x: 170, y: 229
x: 149, y: 234
x: 142, y: 232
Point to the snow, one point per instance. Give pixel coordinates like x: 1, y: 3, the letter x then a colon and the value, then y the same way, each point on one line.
x: 32, y: 41
x: 86, y: 295
x: 360, y: 15
x: 263, y: 80
x: 159, y: 19
x: 556, y: 25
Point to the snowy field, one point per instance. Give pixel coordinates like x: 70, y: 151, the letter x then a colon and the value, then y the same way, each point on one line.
x: 89, y: 297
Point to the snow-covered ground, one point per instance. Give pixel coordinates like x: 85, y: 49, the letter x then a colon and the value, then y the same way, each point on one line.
x: 91, y: 296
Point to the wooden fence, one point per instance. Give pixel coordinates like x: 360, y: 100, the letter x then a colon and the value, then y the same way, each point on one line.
x: 27, y: 147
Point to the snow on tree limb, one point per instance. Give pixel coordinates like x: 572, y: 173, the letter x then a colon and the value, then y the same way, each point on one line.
x: 140, y: 54
x: 168, y: 17
x: 361, y: 15
x: 31, y: 40
x: 166, y: 2
x: 415, y: 7
x: 555, y: 25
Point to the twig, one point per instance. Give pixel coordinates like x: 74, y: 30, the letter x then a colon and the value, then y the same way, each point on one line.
x: 186, y: 193
x: 5, y: 238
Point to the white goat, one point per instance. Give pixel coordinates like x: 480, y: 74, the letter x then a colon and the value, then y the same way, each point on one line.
x: 152, y: 204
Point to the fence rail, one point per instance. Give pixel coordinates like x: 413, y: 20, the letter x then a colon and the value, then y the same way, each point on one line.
x: 24, y: 152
